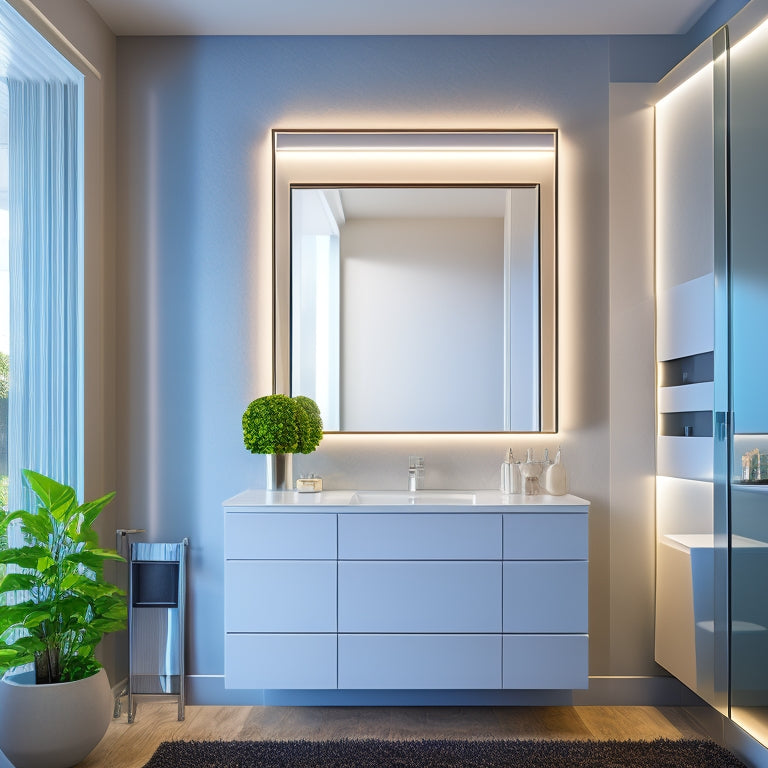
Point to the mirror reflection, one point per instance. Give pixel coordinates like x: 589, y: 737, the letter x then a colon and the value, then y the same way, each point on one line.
x: 417, y: 308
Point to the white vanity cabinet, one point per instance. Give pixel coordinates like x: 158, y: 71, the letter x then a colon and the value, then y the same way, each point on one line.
x: 326, y: 595
x: 546, y: 583
x: 280, y: 600
x: 420, y: 600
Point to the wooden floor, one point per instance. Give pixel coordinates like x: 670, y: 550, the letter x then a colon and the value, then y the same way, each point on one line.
x: 131, y: 746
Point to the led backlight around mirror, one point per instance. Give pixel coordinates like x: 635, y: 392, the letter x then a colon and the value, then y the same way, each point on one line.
x: 330, y: 163
x: 370, y: 141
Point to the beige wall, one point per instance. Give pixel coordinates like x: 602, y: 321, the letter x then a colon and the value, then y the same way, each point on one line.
x: 631, y: 539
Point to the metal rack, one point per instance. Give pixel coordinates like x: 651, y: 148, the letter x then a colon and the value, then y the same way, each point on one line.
x: 157, y: 598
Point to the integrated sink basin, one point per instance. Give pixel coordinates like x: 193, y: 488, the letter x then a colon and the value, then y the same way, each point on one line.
x: 393, y: 498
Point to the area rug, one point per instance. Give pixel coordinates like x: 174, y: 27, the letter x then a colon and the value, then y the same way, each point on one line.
x: 374, y: 753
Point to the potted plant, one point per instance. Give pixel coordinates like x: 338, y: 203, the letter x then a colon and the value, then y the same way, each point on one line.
x: 279, y: 426
x: 61, y: 607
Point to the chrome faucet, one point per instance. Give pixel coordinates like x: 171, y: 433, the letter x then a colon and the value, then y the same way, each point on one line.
x: 415, y: 473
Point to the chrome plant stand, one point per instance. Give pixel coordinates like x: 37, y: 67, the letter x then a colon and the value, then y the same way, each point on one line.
x: 156, y: 606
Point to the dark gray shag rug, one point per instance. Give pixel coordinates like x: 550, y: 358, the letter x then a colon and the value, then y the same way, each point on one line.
x: 374, y: 753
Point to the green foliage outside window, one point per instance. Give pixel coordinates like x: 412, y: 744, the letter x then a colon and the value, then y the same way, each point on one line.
x: 4, y: 368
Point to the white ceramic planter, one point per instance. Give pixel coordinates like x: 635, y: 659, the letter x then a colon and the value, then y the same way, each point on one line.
x: 52, y: 726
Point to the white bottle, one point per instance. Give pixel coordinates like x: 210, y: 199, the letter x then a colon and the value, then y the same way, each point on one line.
x: 555, y: 480
x: 516, y: 477
x: 505, y: 482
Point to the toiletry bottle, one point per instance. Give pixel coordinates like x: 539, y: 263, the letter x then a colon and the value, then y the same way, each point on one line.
x: 555, y: 480
x: 505, y: 482
x: 529, y: 473
x: 516, y: 479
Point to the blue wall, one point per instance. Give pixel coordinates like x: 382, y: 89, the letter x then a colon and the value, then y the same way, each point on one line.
x: 194, y: 116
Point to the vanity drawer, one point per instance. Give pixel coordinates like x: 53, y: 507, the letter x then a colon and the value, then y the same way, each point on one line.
x: 546, y: 661
x: 419, y: 596
x: 419, y: 537
x: 277, y: 661
x: 282, y: 536
x: 546, y: 536
x: 419, y: 661
x: 280, y: 596
x: 546, y: 596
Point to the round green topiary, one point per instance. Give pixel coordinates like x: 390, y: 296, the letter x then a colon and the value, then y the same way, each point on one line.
x: 280, y: 424
x: 311, y: 429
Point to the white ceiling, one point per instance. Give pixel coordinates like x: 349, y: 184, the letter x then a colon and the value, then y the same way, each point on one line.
x: 399, y: 17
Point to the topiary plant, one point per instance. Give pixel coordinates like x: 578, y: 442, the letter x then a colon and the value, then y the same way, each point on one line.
x: 312, y: 432
x: 281, y: 424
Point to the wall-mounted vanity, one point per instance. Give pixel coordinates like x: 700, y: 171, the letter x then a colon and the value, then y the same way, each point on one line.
x: 369, y: 591
x: 414, y: 291
x: 415, y: 278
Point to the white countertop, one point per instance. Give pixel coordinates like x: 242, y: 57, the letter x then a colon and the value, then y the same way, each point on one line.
x: 428, y: 501
x: 689, y: 541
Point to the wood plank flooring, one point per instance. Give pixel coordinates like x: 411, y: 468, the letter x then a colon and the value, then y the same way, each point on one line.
x: 131, y: 746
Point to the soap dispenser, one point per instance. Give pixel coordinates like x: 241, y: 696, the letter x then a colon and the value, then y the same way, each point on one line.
x: 555, y: 481
x: 529, y: 475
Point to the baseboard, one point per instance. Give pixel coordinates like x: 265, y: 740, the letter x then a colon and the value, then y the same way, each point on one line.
x: 606, y: 691
x: 729, y: 735
x: 638, y: 691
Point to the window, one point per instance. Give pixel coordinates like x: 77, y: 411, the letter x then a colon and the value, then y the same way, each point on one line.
x: 41, y: 224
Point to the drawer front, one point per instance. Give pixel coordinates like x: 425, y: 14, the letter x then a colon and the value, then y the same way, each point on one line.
x: 419, y: 537
x: 546, y: 537
x: 419, y: 661
x: 546, y: 661
x: 283, y: 536
x: 280, y: 661
x: 548, y: 596
x: 280, y: 596
x: 419, y: 596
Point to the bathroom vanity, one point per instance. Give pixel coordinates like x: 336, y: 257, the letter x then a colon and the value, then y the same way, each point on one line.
x: 396, y: 591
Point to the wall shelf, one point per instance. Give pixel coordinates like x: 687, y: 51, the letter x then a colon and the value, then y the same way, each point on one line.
x: 686, y: 397
x: 686, y: 424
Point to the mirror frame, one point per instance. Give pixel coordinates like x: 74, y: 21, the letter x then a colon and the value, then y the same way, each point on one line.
x: 304, y: 158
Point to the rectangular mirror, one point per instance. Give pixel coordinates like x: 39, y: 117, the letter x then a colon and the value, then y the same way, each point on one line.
x: 415, y: 279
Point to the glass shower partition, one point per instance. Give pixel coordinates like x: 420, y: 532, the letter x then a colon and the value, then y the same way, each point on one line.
x: 749, y: 381
x: 712, y: 433
x: 691, y: 230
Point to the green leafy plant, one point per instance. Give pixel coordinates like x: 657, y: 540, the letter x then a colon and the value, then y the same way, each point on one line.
x: 312, y: 428
x: 282, y: 424
x: 60, y: 605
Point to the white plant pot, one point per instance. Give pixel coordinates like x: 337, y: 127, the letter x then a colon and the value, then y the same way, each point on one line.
x: 52, y: 726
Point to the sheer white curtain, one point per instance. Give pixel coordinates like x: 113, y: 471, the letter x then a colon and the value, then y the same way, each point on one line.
x: 45, y: 401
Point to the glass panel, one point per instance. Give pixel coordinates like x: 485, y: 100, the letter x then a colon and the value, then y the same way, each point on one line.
x: 692, y: 553
x: 749, y: 492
